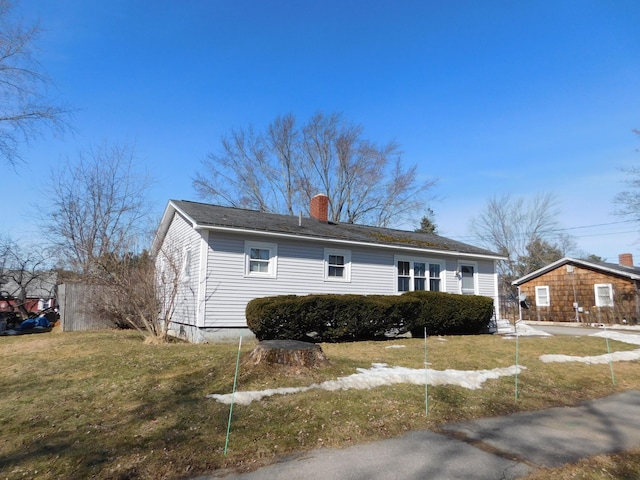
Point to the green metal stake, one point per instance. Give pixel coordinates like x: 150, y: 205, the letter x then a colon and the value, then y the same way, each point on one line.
x: 517, y: 341
x: 426, y: 383
x: 233, y: 393
x: 613, y: 378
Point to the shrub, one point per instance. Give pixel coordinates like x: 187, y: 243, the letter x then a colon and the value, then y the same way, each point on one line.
x: 450, y: 314
x: 330, y: 318
x: 335, y: 318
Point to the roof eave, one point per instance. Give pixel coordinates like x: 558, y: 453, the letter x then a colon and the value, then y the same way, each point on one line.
x: 316, y: 238
x: 565, y: 260
x: 165, y: 223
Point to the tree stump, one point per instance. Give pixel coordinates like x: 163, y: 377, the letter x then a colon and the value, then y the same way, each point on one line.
x: 288, y: 353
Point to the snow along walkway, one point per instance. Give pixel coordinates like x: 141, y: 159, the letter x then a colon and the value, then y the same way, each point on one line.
x: 626, y: 356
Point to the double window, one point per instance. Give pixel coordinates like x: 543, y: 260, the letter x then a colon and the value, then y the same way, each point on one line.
x: 260, y: 259
x: 418, y: 275
x: 337, y: 265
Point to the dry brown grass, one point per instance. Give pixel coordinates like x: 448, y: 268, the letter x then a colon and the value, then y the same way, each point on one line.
x: 106, y: 405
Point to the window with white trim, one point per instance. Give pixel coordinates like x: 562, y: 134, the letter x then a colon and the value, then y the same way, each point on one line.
x: 418, y: 274
x: 435, y: 280
x: 467, y: 275
x: 404, y: 275
x: 542, y: 296
x: 260, y: 259
x: 337, y: 265
x: 604, y: 294
x: 186, y: 265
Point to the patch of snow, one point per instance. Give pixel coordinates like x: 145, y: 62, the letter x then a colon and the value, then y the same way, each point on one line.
x: 396, y: 346
x: 379, y: 375
x: 621, y: 337
x: 627, y: 356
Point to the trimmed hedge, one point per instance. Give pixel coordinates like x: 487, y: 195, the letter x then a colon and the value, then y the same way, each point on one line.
x: 330, y: 318
x: 336, y: 318
x: 450, y: 314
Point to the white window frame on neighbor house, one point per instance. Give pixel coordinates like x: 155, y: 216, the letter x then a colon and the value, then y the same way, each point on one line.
x: 599, y: 302
x: 542, y: 296
x: 473, y: 265
x: 333, y: 267
x: 416, y: 276
x: 271, y: 260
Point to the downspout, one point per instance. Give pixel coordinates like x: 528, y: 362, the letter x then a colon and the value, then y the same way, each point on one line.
x: 519, y: 306
x: 636, y: 284
x: 575, y: 297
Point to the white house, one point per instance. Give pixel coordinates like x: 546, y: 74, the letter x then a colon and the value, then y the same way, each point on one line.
x: 224, y: 257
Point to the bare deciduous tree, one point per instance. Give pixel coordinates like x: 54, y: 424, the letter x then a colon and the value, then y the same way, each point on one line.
x: 25, y: 106
x: 99, y: 206
x: 281, y: 169
x: 508, y: 225
x: 25, y: 268
x: 526, y: 232
x: 628, y: 201
x: 136, y: 294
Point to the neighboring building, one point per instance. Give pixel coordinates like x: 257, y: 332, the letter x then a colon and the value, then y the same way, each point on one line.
x: 35, y: 292
x: 228, y: 256
x: 572, y: 290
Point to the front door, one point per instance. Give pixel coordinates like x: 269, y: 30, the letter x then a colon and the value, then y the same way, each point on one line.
x: 467, y: 279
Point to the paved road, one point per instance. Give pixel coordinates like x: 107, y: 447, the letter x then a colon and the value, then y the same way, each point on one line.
x: 495, y: 448
x: 562, y: 330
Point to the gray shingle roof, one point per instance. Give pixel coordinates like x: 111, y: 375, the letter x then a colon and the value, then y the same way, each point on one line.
x: 43, y: 286
x: 215, y: 216
x: 605, y: 267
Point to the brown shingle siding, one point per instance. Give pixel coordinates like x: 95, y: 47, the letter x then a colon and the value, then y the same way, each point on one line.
x: 567, y: 287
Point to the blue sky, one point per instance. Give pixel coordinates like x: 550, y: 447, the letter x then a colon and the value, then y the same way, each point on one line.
x: 489, y: 97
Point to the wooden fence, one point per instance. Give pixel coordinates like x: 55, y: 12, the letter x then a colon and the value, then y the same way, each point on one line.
x: 77, y: 307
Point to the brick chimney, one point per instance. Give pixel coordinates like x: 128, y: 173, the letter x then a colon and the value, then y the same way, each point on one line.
x: 320, y: 207
x: 625, y: 260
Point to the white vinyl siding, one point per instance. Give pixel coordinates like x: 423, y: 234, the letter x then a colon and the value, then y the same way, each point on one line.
x: 301, y: 270
x: 179, y: 255
x: 603, y: 294
x: 542, y: 296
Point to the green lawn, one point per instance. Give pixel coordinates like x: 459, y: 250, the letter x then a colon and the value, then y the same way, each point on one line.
x: 106, y: 405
